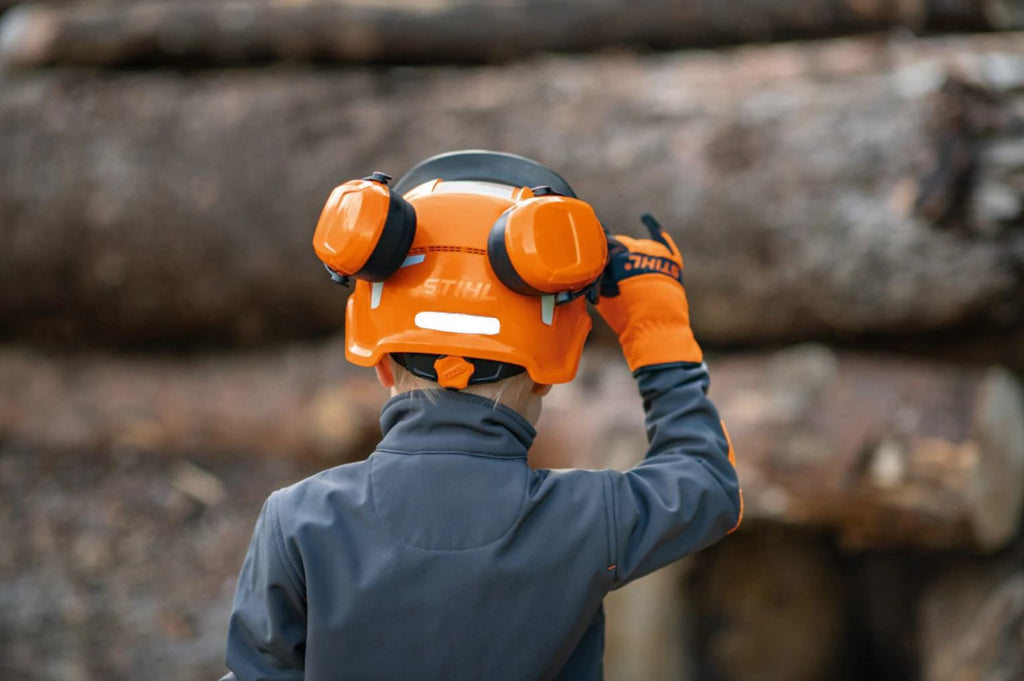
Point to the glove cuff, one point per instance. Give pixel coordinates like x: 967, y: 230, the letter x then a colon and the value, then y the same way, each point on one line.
x: 659, y: 344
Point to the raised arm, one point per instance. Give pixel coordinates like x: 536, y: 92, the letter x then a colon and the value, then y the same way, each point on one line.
x: 685, y: 494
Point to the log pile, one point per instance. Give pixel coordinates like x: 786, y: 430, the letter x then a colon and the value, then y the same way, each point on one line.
x: 865, y: 191
x: 856, y: 189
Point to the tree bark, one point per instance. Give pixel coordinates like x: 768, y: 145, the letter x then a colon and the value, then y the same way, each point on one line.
x: 829, y: 190
x: 450, y: 31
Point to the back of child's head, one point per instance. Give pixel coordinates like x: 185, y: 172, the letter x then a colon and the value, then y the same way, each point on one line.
x: 518, y: 392
x: 472, y: 273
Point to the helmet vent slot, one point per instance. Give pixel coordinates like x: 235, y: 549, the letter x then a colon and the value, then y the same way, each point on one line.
x: 448, y: 249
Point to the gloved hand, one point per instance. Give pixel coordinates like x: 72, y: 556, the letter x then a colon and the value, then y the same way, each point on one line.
x: 643, y: 300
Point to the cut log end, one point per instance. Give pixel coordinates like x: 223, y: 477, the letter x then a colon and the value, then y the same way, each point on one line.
x: 997, y: 492
x: 885, y: 454
x: 27, y: 35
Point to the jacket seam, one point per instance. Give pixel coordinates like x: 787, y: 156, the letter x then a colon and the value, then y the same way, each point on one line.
x: 387, y: 529
x: 289, y: 569
x: 611, y: 534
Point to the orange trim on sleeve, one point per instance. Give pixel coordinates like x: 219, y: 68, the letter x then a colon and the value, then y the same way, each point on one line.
x: 732, y: 460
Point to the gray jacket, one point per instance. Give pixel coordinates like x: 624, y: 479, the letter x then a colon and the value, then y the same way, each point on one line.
x: 444, y: 556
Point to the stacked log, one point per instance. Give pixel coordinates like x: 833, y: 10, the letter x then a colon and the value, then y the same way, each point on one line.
x: 452, y: 31
x: 886, y: 453
x: 835, y: 186
x: 306, y: 402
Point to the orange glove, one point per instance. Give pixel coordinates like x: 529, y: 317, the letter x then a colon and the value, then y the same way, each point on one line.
x: 643, y: 300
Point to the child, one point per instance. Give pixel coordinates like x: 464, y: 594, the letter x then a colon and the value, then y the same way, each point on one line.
x: 443, y: 556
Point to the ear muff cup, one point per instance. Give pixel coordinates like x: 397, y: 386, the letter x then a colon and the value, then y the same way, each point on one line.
x: 394, y: 242
x: 547, y: 245
x: 365, y: 230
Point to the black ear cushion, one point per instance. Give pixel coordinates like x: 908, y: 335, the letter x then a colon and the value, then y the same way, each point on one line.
x: 394, y: 242
x: 501, y: 263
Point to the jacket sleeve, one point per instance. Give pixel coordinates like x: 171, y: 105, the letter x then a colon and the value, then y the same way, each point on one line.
x: 684, y: 495
x: 267, y: 629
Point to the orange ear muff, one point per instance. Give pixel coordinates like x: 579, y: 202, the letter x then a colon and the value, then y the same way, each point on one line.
x: 365, y: 230
x: 546, y: 245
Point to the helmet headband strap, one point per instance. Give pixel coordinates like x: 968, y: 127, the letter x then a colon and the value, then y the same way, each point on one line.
x: 485, y: 370
x: 484, y: 166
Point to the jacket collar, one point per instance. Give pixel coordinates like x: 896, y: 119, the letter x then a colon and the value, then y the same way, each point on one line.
x: 453, y: 422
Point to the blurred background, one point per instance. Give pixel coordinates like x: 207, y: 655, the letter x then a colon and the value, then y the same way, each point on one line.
x: 846, y: 181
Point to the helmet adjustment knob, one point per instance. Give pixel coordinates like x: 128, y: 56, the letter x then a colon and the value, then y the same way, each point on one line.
x: 544, y: 190
x: 453, y: 372
x: 378, y: 176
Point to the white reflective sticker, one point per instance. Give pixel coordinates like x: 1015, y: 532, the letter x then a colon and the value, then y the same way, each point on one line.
x: 376, y: 291
x: 502, y: 191
x: 547, y: 309
x: 413, y: 260
x: 457, y: 322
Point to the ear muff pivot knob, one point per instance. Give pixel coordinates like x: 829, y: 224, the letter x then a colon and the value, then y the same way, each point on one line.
x: 547, y: 245
x: 365, y: 230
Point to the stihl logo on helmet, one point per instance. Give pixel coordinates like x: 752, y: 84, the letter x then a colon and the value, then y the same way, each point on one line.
x: 458, y: 288
x: 479, y: 255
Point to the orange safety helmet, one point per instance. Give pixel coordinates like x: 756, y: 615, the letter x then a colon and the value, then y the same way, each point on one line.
x: 474, y: 267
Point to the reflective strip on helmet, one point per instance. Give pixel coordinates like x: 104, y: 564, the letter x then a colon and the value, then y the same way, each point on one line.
x: 457, y: 322
x: 502, y: 191
x: 376, y: 291
x: 547, y: 309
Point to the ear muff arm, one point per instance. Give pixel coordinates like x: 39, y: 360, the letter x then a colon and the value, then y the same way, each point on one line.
x: 592, y: 292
